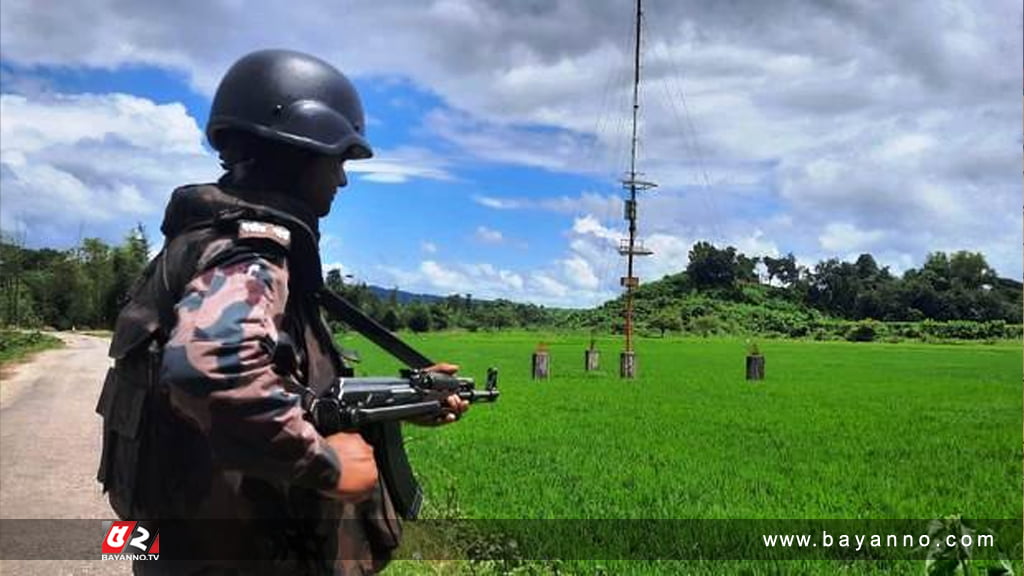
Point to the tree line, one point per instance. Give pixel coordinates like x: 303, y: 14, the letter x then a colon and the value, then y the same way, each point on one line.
x: 84, y: 287
x: 957, y: 286
x: 455, y: 311
x: 723, y: 291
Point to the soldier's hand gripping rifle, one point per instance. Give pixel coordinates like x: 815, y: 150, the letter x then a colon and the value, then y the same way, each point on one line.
x: 376, y: 406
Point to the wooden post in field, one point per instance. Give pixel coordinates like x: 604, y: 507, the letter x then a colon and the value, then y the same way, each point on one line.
x: 541, y: 362
x: 627, y: 364
x: 591, y: 357
x: 755, y: 367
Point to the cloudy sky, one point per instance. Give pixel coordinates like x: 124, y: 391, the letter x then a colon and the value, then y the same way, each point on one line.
x: 825, y: 129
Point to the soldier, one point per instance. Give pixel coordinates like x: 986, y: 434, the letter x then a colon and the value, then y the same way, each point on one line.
x: 222, y: 346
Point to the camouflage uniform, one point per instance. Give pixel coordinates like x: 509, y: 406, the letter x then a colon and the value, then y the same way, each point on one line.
x: 234, y: 346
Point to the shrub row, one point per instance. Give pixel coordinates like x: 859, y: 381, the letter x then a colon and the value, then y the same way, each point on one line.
x: 794, y: 325
x: 13, y: 344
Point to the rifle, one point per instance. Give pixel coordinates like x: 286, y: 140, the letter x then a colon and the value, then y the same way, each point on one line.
x: 376, y: 406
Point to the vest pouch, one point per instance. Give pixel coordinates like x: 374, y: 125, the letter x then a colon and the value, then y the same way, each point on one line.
x: 154, y: 464
x: 122, y: 406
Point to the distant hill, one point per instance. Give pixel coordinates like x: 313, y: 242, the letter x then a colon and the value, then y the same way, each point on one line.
x: 403, y: 297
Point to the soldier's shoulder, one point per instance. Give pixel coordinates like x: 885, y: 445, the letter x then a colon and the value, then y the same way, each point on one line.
x: 245, y: 239
x: 261, y: 231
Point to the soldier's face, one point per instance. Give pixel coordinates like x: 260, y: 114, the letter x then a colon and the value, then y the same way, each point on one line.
x: 319, y: 183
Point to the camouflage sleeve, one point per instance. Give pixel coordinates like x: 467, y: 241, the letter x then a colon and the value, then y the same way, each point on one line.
x: 218, y: 365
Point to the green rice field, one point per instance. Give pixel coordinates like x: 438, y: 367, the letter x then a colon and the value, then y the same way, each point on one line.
x: 837, y: 430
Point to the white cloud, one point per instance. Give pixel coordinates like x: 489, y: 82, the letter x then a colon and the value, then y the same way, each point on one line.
x: 888, y: 119
x: 93, y: 163
x: 590, y: 225
x: 604, y: 205
x: 329, y: 243
x: 53, y: 119
x: 756, y: 244
x: 385, y: 178
x: 579, y: 271
x: 483, y: 280
x: 441, y: 277
x: 497, y: 203
x: 843, y: 237
x: 400, y: 165
x: 428, y: 247
x: 547, y: 287
x: 488, y: 235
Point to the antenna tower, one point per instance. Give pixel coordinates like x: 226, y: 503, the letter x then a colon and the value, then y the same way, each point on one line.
x: 632, y: 246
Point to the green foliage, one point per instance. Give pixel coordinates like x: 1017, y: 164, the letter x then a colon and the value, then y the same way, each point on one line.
x: 451, y: 312
x: 440, y: 317
x: 668, y: 320
x: 959, y: 296
x: 390, y: 318
x: 84, y: 287
x: 15, y: 345
x: 862, y: 332
x: 710, y: 267
x: 951, y: 297
x: 418, y: 318
x: 705, y: 325
x: 753, y: 349
x: 959, y: 559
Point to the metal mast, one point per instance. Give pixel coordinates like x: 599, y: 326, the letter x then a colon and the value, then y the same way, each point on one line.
x: 631, y: 246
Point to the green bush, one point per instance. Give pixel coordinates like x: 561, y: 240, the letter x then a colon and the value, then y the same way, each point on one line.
x: 14, y: 345
x: 705, y: 325
x: 862, y: 332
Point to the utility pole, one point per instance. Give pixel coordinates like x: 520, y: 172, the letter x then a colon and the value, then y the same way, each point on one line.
x: 631, y: 246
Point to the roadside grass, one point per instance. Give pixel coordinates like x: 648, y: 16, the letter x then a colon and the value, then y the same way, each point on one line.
x: 16, y: 345
x: 837, y: 430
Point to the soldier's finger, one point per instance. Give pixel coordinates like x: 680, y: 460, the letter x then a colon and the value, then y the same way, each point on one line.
x: 453, y: 402
x: 444, y: 367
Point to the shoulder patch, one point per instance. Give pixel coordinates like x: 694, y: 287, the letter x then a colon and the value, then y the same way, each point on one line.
x: 265, y: 230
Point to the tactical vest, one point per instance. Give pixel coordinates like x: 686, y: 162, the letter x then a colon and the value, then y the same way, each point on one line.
x: 155, y: 464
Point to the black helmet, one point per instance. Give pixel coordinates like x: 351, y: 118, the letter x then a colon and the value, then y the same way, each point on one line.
x: 290, y: 97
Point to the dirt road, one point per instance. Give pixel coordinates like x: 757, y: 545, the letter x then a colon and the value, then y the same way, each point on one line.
x: 49, y: 446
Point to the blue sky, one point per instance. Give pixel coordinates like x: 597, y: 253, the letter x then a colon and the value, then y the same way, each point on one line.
x: 501, y: 130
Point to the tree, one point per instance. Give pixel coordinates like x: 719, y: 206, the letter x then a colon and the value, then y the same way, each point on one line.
x: 773, y: 268
x: 936, y: 271
x: 334, y: 281
x: 784, y: 269
x: 439, y: 316
x: 390, y: 318
x: 127, y: 263
x: 710, y: 267
x: 833, y: 287
x: 418, y: 318
x: 969, y: 270
x: 667, y: 320
x: 746, y: 268
x: 453, y: 302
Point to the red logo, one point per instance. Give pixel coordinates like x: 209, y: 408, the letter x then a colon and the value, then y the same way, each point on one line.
x: 129, y: 537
